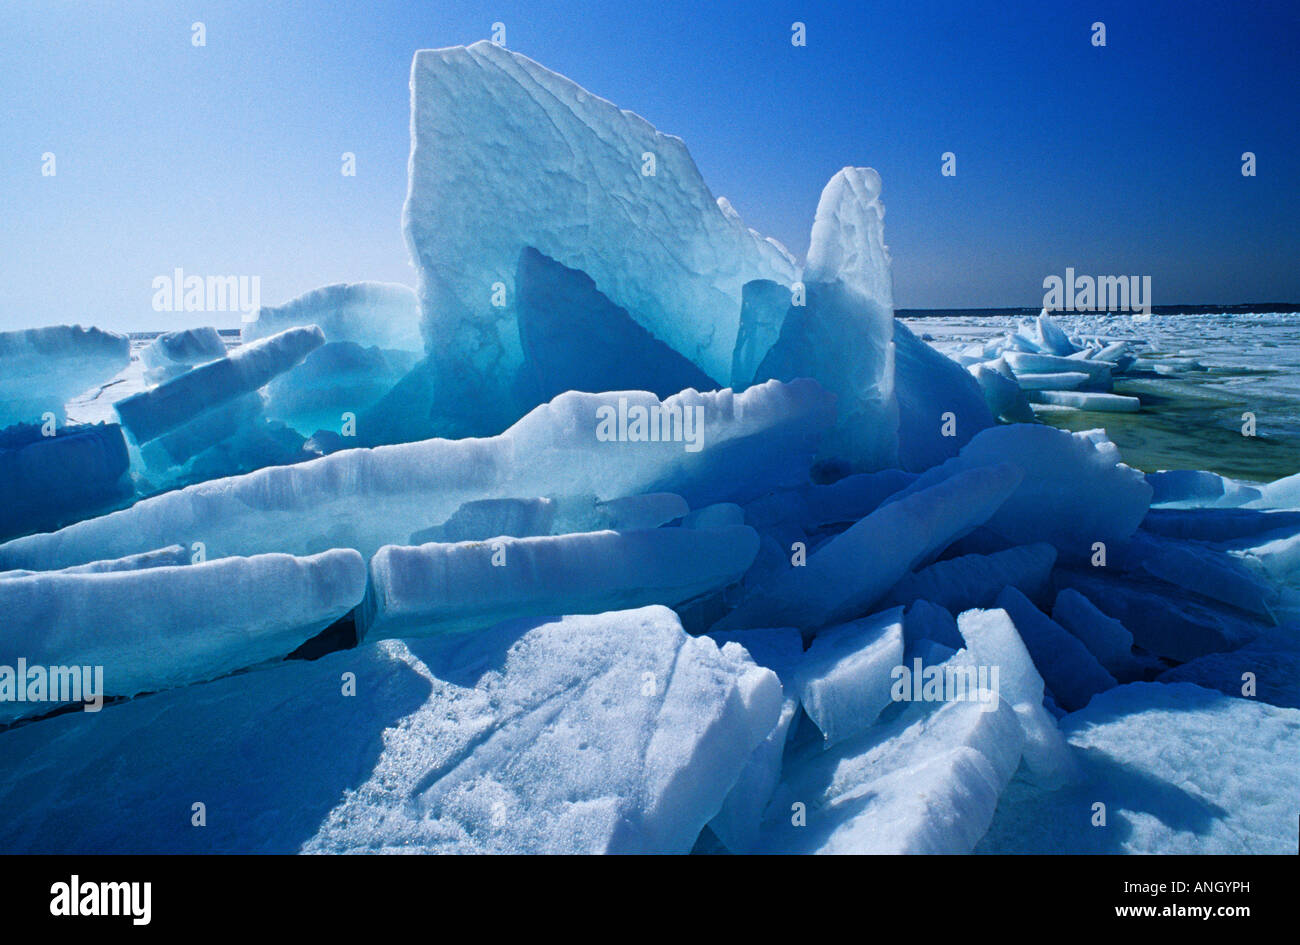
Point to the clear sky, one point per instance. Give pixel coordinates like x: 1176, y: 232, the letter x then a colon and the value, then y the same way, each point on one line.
x: 1122, y: 160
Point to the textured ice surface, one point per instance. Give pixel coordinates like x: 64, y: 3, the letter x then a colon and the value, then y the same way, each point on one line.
x: 762, y: 313
x: 163, y: 557
x: 574, y: 338
x: 175, y: 352
x: 940, y: 406
x: 976, y: 580
x: 925, y: 620
x: 1075, y: 491
x: 524, y: 518
x: 153, y: 412
x: 848, y: 239
x: 1068, y: 669
x: 844, y: 577
x: 737, y: 823
x: 1179, y: 768
x: 844, y: 679
x: 369, y: 314
x: 1163, y: 619
x: 41, y: 369
x: 1272, y: 661
x: 47, y: 481
x: 448, y: 588
x: 609, y: 733
x: 506, y: 154
x: 1105, y: 638
x: 159, y: 627
x: 993, y: 641
x: 926, y: 783
x: 367, y: 498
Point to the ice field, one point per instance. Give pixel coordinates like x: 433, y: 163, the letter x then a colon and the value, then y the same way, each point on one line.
x: 626, y: 531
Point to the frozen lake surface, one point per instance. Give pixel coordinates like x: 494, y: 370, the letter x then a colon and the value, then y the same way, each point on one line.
x: 1197, y: 375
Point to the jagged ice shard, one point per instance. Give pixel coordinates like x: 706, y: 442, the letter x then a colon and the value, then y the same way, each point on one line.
x: 507, y: 154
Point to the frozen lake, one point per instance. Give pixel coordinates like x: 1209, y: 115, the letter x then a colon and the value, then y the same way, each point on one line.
x: 1197, y: 375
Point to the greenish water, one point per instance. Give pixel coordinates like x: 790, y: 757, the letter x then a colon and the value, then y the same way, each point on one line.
x: 1195, y: 422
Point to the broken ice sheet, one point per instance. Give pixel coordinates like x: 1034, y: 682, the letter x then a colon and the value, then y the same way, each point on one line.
x: 607, y: 733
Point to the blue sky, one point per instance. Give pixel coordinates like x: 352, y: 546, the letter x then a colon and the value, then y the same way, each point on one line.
x: 226, y: 159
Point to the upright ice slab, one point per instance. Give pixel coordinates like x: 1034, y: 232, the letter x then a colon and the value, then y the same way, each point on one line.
x: 506, y: 154
x: 813, y: 341
x: 848, y: 238
x: 844, y: 679
x: 940, y: 405
x: 41, y: 369
x: 848, y: 305
x: 1070, y: 671
x: 762, y: 313
x: 737, y: 823
x: 993, y: 641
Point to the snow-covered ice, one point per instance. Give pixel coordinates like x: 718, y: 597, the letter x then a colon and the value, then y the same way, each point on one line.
x: 926, y: 783
x: 156, y: 628
x: 1180, y: 769
x: 844, y: 679
x: 450, y: 588
x: 611, y: 733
